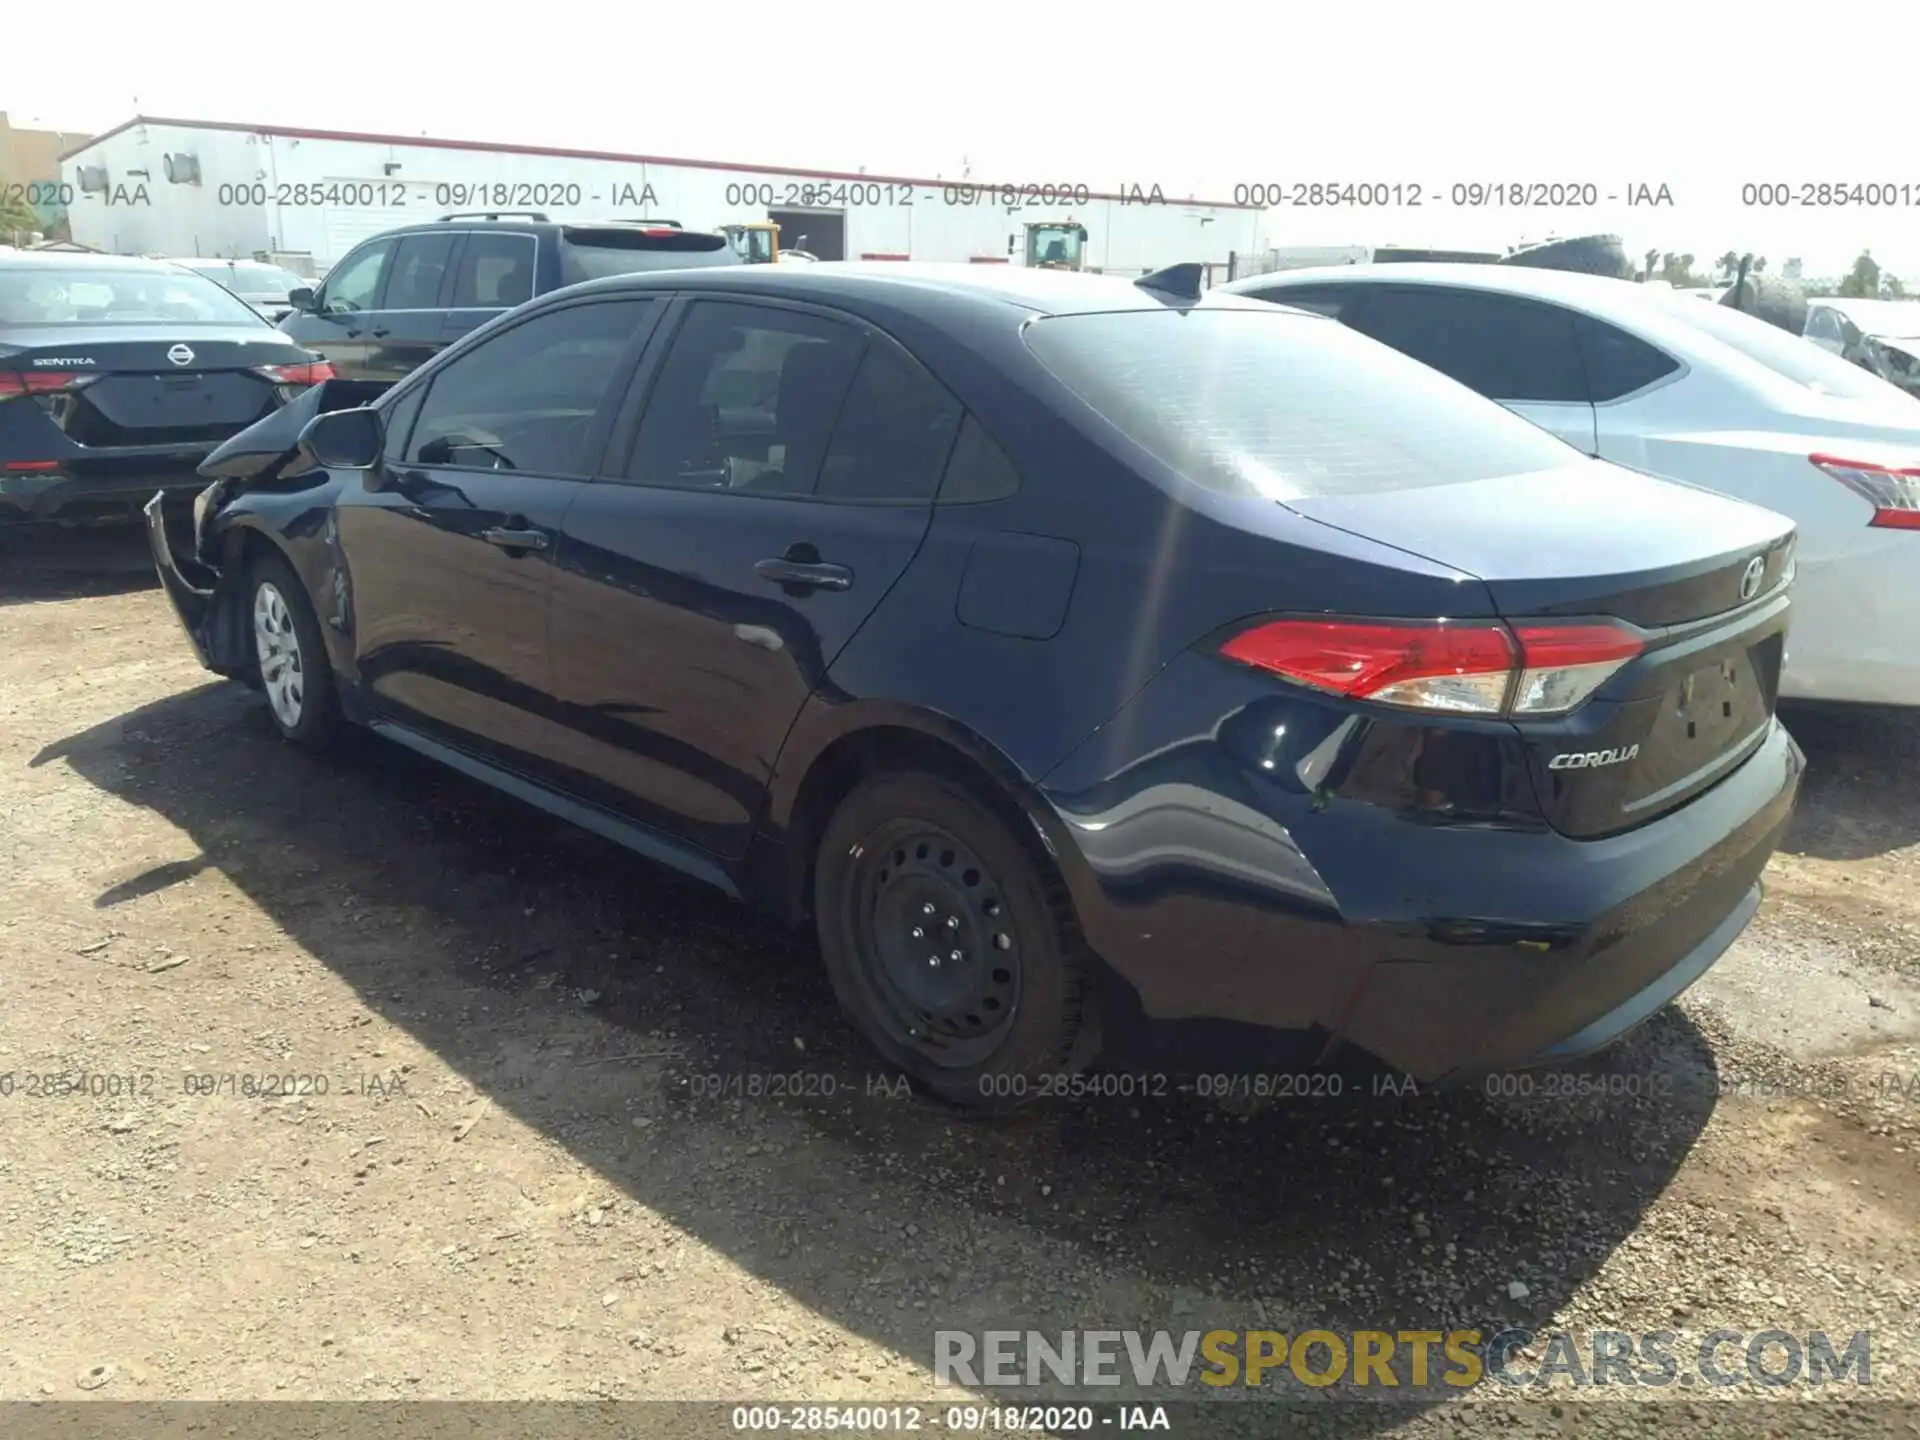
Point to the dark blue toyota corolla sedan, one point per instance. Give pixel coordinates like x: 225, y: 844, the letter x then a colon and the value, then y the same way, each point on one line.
x: 1061, y: 648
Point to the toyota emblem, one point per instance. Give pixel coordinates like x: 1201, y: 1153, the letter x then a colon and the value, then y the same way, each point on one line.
x: 180, y: 355
x: 1750, y: 581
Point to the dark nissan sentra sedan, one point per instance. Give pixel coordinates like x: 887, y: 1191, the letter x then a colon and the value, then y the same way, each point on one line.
x: 1064, y: 650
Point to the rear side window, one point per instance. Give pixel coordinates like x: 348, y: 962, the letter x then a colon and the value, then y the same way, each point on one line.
x: 588, y: 254
x: 978, y: 469
x: 496, y: 272
x: 1618, y: 363
x: 1265, y: 403
x: 893, y: 436
x: 1507, y: 349
x: 419, y: 265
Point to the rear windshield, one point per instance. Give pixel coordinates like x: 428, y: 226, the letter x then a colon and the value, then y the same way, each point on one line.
x: 246, y: 277
x: 48, y: 295
x: 265, y: 280
x: 591, y: 254
x: 1788, y: 356
x: 1263, y: 402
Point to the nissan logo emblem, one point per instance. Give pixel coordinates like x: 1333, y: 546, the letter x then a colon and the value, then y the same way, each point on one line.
x: 1750, y: 581
x: 180, y: 355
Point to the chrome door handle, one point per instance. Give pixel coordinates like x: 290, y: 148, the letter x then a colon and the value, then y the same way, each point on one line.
x: 516, y: 539
x: 810, y: 574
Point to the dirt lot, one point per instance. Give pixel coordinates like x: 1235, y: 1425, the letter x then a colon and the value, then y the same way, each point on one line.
x: 519, y: 1182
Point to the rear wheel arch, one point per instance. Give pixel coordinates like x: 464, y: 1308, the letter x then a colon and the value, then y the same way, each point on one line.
x: 895, y: 745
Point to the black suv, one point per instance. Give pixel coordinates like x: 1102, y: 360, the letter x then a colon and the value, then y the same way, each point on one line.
x: 397, y: 299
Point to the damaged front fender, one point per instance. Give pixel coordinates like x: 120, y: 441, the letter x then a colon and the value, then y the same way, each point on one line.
x: 201, y: 597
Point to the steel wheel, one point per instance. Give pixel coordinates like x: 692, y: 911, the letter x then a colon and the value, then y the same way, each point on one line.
x: 277, y: 646
x: 937, y: 941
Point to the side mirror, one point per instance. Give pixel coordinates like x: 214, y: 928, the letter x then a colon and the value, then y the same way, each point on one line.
x: 302, y: 298
x: 344, y: 439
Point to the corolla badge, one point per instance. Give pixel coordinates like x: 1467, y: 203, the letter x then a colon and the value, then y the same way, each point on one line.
x: 1591, y: 759
x: 180, y: 355
x: 1750, y: 581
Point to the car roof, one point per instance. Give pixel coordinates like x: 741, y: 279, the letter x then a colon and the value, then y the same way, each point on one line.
x: 910, y: 285
x: 1644, y: 309
x: 54, y: 259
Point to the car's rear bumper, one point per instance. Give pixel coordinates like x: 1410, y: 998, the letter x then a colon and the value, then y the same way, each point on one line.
x: 1446, y: 950
x: 58, y: 494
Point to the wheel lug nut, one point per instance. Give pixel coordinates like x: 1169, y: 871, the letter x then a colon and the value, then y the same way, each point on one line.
x: 954, y: 956
x: 934, y: 961
x: 953, y: 922
x: 927, y: 909
x: 918, y: 933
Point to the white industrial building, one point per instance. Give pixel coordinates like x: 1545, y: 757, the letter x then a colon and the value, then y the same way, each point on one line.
x: 183, y: 187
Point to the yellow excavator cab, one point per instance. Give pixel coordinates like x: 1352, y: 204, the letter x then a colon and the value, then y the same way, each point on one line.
x: 757, y: 242
x: 1057, y: 245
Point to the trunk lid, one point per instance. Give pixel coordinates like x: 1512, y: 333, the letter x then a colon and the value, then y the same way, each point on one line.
x: 1702, y: 578
x: 181, y: 385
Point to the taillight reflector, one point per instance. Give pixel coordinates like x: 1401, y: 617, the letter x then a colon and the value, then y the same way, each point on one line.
x: 1893, y: 493
x: 1475, y: 667
x: 305, y: 374
x: 38, y: 382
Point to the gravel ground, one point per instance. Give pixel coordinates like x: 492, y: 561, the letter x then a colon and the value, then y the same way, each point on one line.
x: 527, y: 1160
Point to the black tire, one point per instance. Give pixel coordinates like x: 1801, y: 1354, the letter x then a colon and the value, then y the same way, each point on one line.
x: 318, y: 719
x: 1017, y: 1008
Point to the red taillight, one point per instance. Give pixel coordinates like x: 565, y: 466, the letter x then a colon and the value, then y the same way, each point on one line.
x: 306, y: 374
x: 39, y: 382
x: 1475, y: 667
x: 1893, y: 493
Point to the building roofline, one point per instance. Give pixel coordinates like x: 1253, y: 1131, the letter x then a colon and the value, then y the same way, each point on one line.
x: 293, y: 132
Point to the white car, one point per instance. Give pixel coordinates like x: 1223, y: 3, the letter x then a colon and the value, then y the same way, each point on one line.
x: 1882, y: 336
x: 1656, y: 381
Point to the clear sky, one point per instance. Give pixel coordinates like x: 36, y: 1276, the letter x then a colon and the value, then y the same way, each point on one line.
x: 1197, y: 99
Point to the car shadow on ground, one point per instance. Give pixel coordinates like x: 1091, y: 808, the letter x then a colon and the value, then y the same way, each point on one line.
x: 1861, y: 794
x: 624, y: 1013
x: 53, y: 562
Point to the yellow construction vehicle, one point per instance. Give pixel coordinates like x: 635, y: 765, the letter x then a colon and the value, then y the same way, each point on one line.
x: 757, y: 241
x: 1056, y: 245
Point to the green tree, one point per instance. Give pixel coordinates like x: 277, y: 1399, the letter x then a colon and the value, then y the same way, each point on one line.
x: 1891, y: 288
x: 1677, y: 271
x: 1759, y: 263
x: 17, y: 219
x: 1728, y: 265
x: 1863, y: 281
